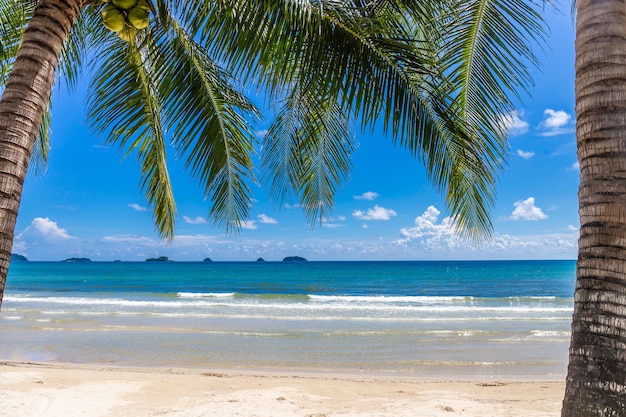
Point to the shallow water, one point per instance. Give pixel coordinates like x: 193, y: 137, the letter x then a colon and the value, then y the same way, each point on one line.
x: 502, y: 319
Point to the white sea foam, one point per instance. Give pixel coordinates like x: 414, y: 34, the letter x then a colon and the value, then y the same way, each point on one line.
x: 389, y: 298
x: 337, y: 303
x: 205, y: 295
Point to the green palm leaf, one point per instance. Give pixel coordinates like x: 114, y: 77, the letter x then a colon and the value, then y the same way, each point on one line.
x: 307, y: 151
x: 126, y: 104
x: 210, y: 126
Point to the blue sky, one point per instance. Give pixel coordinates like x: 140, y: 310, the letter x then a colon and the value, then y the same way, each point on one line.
x: 88, y: 202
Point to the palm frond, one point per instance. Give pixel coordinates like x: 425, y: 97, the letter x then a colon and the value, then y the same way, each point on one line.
x: 74, y: 52
x: 307, y: 152
x: 126, y: 104
x: 14, y: 17
x: 210, y: 131
x: 485, y: 49
x: 38, y: 163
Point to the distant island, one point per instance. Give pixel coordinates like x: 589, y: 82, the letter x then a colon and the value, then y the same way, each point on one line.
x: 77, y: 260
x: 16, y: 257
x: 260, y: 260
x: 294, y: 259
x: 207, y: 260
x: 159, y: 259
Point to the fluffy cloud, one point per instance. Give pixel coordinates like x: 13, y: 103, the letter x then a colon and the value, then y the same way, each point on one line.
x: 430, y: 238
x: 137, y: 207
x: 197, y: 220
x: 265, y: 219
x: 41, y: 233
x: 44, y: 228
x: 376, y: 213
x: 369, y: 195
x: 426, y: 227
x: 513, y: 124
x: 526, y: 210
x: 555, y: 123
x: 524, y: 154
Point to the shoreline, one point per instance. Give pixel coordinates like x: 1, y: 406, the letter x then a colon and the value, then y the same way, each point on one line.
x: 55, y: 389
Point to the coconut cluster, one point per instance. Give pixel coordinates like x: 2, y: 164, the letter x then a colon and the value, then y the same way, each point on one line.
x: 126, y: 17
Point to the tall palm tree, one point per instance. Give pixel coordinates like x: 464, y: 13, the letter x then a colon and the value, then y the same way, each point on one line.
x: 439, y: 76
x: 596, y: 380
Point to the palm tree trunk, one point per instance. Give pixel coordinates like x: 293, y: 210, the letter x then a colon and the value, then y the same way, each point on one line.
x: 22, y: 106
x: 596, y: 380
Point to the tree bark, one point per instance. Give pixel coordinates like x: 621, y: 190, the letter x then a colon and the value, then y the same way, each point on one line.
x: 596, y: 380
x: 22, y: 106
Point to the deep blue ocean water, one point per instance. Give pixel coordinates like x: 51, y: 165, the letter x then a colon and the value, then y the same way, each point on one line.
x: 471, y: 318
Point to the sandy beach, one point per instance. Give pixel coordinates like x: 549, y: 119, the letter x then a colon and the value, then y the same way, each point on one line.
x: 59, y: 390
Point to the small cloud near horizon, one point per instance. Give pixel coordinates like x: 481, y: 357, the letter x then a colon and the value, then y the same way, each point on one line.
x: 375, y: 213
x: 369, y: 195
x: 265, y: 219
x: 137, y: 207
x: 247, y: 224
x: 525, y: 154
x: 41, y: 231
x: 197, y: 220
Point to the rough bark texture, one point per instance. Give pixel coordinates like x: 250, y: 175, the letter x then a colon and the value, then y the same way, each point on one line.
x: 22, y: 106
x: 596, y: 380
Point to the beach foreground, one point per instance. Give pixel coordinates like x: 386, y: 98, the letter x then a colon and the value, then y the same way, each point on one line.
x: 51, y: 390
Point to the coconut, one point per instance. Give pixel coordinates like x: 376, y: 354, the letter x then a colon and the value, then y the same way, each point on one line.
x: 139, y: 17
x: 113, y: 18
x: 143, y: 4
x: 127, y: 34
x: 125, y: 4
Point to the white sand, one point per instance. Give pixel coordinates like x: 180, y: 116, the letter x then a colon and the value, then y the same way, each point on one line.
x: 58, y: 390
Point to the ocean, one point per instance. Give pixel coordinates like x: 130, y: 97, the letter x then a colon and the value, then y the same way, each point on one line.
x: 444, y: 319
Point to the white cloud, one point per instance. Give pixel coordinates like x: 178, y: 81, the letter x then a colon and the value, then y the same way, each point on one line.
x: 331, y: 222
x: 513, y: 124
x: 524, y: 154
x: 332, y: 225
x: 376, y: 213
x: 526, y: 210
x: 426, y: 227
x: 197, y: 220
x: 369, y: 195
x: 41, y: 232
x: 137, y: 207
x: 555, y: 123
x: 266, y: 219
x: 572, y: 228
x: 575, y: 166
x: 43, y: 226
x: 248, y: 224
x: 430, y: 238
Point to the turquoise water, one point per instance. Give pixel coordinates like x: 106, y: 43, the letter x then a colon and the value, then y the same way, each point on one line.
x: 496, y: 318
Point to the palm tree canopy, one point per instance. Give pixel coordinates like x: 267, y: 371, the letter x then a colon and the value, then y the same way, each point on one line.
x: 440, y: 77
